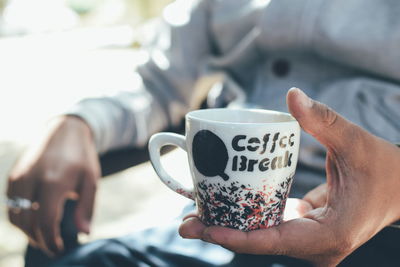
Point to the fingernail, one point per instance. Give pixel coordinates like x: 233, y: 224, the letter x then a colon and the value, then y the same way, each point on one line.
x: 83, y: 226
x: 86, y: 227
x: 191, y: 228
x: 302, y: 97
x: 60, y: 245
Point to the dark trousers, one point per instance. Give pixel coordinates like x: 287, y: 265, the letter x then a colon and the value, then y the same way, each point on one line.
x: 163, y: 247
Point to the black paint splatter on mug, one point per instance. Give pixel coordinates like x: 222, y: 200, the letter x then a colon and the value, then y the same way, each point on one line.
x: 210, y: 155
x: 239, y: 206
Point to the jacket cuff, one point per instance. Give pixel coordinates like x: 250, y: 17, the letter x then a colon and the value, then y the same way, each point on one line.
x: 95, y: 115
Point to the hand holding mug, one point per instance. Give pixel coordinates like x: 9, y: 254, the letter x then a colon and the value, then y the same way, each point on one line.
x: 359, y: 199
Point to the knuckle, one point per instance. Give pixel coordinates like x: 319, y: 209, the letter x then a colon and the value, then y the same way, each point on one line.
x: 54, y: 178
x: 329, y: 117
x: 49, y: 177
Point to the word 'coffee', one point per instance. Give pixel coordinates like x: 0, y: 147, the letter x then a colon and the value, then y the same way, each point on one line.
x: 268, y: 144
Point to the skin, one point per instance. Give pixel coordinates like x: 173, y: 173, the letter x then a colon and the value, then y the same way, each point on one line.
x: 360, y: 196
x: 63, y: 164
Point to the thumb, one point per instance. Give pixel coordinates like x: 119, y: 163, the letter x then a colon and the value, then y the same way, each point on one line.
x: 317, y: 119
x: 84, y: 207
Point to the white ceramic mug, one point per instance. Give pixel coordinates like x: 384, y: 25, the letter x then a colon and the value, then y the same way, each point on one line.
x: 242, y: 163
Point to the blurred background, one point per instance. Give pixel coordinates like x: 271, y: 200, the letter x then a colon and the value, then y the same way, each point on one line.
x: 50, y: 48
x: 54, y: 53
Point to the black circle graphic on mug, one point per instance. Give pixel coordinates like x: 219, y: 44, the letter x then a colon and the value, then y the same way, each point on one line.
x: 210, y: 155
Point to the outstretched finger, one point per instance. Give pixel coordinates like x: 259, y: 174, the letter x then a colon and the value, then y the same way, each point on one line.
x: 295, y: 238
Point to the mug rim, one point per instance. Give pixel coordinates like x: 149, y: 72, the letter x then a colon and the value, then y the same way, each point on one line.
x: 192, y: 116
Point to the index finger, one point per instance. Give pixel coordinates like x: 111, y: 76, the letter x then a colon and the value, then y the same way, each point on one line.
x: 48, y: 220
x: 293, y: 238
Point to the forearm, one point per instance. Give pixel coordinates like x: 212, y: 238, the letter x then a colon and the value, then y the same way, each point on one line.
x: 125, y: 120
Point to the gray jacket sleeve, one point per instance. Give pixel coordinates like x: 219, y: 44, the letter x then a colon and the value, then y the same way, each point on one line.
x: 362, y: 35
x: 166, y: 87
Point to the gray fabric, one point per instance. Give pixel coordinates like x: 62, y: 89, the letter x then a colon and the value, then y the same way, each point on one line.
x: 344, y: 53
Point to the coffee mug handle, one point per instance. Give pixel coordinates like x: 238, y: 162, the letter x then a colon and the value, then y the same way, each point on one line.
x: 156, y: 142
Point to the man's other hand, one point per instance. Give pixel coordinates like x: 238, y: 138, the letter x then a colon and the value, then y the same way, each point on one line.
x: 361, y: 195
x: 64, y: 164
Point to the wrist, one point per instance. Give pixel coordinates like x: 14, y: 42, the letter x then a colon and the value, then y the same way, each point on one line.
x: 77, y: 123
x: 72, y: 124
